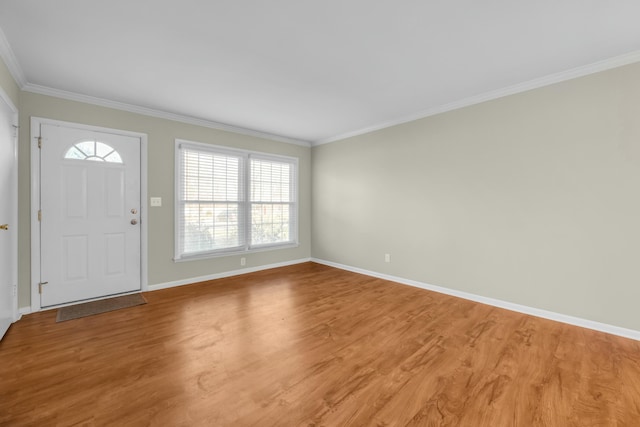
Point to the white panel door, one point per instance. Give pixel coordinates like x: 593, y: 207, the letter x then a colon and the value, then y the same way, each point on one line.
x: 8, y: 257
x: 90, y: 207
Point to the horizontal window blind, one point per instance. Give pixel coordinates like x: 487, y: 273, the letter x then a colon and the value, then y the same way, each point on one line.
x: 272, y: 201
x: 229, y: 201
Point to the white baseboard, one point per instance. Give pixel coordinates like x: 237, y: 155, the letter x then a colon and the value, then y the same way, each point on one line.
x: 576, y: 321
x: 545, y: 314
x: 224, y: 274
x: 27, y: 310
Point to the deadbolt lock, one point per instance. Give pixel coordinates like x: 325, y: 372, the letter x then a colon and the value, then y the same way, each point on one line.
x: 134, y: 211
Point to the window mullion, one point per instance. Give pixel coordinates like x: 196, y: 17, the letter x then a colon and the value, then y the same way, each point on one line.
x: 198, y: 217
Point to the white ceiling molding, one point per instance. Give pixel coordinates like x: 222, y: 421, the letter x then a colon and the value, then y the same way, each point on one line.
x: 9, y: 58
x: 7, y: 55
x: 607, y: 64
x: 596, y: 67
x: 72, y: 96
x: 277, y: 72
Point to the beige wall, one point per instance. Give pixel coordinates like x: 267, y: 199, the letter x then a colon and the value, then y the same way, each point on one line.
x: 8, y: 84
x: 532, y: 199
x: 161, y: 134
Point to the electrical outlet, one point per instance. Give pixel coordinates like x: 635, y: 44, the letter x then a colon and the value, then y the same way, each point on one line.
x: 243, y: 261
x: 387, y: 257
x: 156, y: 201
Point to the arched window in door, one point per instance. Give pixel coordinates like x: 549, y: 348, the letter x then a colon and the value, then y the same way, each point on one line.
x: 93, y: 150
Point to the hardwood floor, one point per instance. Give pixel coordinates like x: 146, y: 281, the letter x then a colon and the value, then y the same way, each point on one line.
x: 309, y: 345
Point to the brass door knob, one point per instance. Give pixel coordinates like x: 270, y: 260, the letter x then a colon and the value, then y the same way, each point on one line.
x: 134, y: 221
x: 4, y: 227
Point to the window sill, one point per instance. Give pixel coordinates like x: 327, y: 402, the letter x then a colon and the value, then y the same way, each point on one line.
x: 209, y: 255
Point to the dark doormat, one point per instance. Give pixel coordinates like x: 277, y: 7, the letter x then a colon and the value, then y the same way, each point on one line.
x: 96, y: 307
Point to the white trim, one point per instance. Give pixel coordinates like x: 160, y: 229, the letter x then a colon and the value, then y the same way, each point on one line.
x: 68, y: 304
x: 618, y: 61
x: 596, y: 67
x: 7, y: 99
x: 537, y: 312
x: 14, y: 215
x: 36, y: 122
x: 144, y: 212
x: 9, y: 58
x: 35, y: 205
x: 222, y: 253
x: 13, y: 201
x: 245, y: 171
x: 177, y: 171
x: 151, y: 112
x: 27, y: 310
x: 166, y: 285
x: 224, y: 274
x: 238, y: 151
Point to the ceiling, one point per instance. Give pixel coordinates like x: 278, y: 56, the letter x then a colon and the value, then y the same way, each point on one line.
x: 306, y: 71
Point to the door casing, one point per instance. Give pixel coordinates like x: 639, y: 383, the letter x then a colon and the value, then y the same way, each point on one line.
x: 13, y: 201
x: 35, y: 202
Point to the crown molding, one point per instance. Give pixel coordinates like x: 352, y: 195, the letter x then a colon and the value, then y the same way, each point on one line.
x: 102, y: 102
x: 596, y: 67
x: 9, y: 58
x: 6, y: 53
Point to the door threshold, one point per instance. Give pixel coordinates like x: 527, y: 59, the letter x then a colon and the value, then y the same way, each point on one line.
x: 82, y: 301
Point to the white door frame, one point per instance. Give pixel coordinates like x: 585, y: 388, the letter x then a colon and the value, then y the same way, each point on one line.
x: 35, y: 201
x: 13, y: 216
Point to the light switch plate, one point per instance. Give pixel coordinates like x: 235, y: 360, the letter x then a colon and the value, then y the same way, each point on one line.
x: 156, y: 201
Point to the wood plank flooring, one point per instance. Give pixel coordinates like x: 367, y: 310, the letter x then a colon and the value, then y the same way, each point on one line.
x: 309, y: 345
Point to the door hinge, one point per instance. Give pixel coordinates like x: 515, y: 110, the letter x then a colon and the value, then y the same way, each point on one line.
x: 39, y: 142
x: 40, y: 286
x: 39, y: 215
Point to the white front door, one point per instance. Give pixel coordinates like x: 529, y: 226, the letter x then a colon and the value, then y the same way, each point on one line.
x: 8, y: 226
x: 90, y: 214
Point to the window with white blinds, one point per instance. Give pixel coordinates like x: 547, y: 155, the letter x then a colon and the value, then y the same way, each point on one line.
x: 231, y: 201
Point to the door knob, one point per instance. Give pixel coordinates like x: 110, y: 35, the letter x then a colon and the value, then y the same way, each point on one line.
x: 134, y: 221
x: 4, y: 227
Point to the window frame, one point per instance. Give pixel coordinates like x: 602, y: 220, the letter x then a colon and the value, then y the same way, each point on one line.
x: 245, y: 181
x: 95, y: 155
